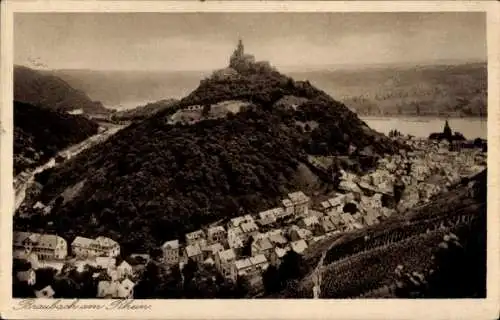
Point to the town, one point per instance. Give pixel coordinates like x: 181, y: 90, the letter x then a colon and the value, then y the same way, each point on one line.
x: 245, y: 246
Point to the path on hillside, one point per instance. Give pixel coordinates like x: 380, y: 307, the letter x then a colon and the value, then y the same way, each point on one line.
x: 316, y: 275
x: 67, y: 153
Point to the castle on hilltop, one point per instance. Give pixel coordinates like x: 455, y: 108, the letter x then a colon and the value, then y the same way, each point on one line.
x: 245, y: 63
x: 239, y: 59
x: 241, y: 63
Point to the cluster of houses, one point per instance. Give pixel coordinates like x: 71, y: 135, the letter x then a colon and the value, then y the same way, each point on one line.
x: 246, y: 245
x: 46, y: 250
x: 223, y: 245
x: 270, y: 234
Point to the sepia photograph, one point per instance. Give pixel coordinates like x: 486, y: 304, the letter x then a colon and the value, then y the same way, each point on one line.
x: 248, y: 155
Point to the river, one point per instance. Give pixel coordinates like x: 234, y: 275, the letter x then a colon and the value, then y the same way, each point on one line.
x: 471, y: 128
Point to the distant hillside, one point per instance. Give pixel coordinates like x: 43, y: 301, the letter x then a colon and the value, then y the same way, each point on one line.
x: 40, y: 133
x: 439, y: 90
x: 154, y: 181
x: 131, y: 88
x: 43, y: 89
x: 143, y: 112
x: 446, y: 90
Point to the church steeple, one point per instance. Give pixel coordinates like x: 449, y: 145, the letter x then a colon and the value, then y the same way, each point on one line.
x: 241, y: 49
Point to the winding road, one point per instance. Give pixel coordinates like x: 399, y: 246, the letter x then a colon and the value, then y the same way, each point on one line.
x: 68, y: 153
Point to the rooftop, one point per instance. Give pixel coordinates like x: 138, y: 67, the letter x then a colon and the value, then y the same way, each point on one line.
x: 311, y: 220
x: 105, y: 242
x: 280, y: 252
x: 278, y: 239
x: 299, y: 246
x: 172, y: 244
x: 195, y: 234
x: 214, y: 248
x: 193, y: 250
x: 227, y: 255
x: 258, y: 259
x: 216, y: 229
x: 325, y: 204
x: 298, y: 197
x: 263, y: 244
x: 242, y: 264
x: 249, y: 227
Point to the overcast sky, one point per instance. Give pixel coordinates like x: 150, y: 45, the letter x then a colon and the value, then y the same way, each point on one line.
x: 204, y: 41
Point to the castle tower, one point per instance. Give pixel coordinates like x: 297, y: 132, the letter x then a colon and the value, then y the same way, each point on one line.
x: 240, y: 51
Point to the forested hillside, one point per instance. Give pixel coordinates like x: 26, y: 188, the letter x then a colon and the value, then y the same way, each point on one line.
x: 40, y: 133
x: 154, y: 181
x: 43, y: 89
x: 433, y: 90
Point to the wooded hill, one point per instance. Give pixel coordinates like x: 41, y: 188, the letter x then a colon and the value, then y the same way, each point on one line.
x: 153, y: 181
x: 43, y: 89
x: 39, y: 133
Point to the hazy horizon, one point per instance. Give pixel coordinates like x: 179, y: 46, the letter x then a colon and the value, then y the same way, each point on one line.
x: 201, y: 42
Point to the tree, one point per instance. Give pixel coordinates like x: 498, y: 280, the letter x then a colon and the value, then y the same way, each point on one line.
x: 458, y: 270
x: 247, y: 247
x: 189, y: 270
x: 398, y: 189
x: 292, y: 267
x: 45, y: 277
x: 271, y: 280
x: 242, y: 287
x: 206, y: 110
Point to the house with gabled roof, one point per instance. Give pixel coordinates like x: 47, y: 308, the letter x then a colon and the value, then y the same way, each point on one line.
x: 224, y: 260
x: 124, y: 269
x: 210, y: 251
x: 249, y: 229
x: 84, y: 248
x: 197, y: 236
x: 194, y: 253
x: 237, y: 221
x: 171, y: 252
x: 309, y: 222
x: 45, y: 246
x: 216, y: 234
x: 300, y: 202
x: 262, y: 246
x: 235, y: 239
x: 107, y: 247
x: 278, y: 240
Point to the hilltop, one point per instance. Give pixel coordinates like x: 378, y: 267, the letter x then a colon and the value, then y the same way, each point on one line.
x: 155, y: 180
x: 41, y: 88
x: 39, y: 133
